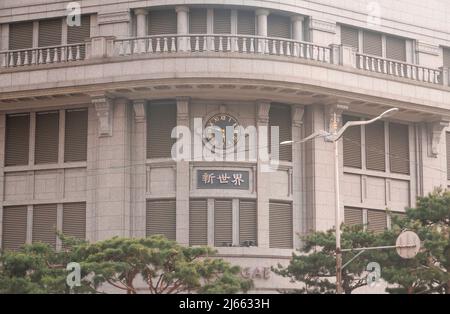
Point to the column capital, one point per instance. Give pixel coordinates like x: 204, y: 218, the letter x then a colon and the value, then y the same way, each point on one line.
x: 435, y: 131
x: 297, y: 18
x: 140, y: 11
x: 104, y: 108
x: 297, y: 115
x: 139, y: 109
x: 181, y: 8
x: 260, y: 12
x: 183, y: 109
x: 263, y: 111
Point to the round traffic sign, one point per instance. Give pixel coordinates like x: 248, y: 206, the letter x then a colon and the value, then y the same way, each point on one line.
x: 408, y: 244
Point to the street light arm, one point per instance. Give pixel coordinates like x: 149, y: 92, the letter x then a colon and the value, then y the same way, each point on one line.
x: 320, y: 133
x: 359, y: 123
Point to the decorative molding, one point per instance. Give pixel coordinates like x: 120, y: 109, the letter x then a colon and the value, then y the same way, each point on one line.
x: 323, y: 26
x: 182, y: 8
x: 435, y: 130
x: 259, y: 12
x: 113, y: 17
x: 183, y: 109
x: 140, y: 11
x: 104, y: 108
x: 427, y: 48
x: 297, y: 115
x: 263, y: 111
x: 139, y: 110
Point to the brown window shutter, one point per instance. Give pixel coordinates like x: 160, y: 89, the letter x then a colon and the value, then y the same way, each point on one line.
x: 248, y: 222
x: 223, y: 223
x: 198, y: 25
x: 161, y: 218
x: 44, y: 224
x: 20, y: 35
x: 375, y: 149
x: 376, y: 221
x: 280, y: 225
x: 279, y: 26
x: 372, y: 43
x: 47, y: 137
x: 50, y: 34
x: 17, y: 139
x: 352, y: 144
x: 447, y: 138
x: 222, y: 21
x: 75, y: 137
x: 14, y: 227
x: 353, y: 216
x: 74, y: 220
x: 198, y: 222
x: 79, y: 34
x: 280, y: 116
x: 446, y: 53
x: 162, y: 118
x: 246, y: 24
x: 396, y: 48
x: 399, y: 148
x: 162, y: 22
x: 350, y: 36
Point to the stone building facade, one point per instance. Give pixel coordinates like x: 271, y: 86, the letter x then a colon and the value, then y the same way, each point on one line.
x: 87, y: 110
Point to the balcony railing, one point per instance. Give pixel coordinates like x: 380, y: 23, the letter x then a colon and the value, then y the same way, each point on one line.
x: 223, y: 44
x: 44, y: 55
x: 399, y: 69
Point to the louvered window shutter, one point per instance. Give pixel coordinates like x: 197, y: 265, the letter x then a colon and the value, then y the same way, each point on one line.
x: 74, y: 220
x: 396, y: 48
x: 198, y: 25
x: 280, y: 116
x: 198, y: 222
x: 375, y: 149
x: 399, y: 148
x: 352, y: 145
x: 280, y: 225
x: 248, y: 222
x: 50, y: 34
x: 162, y: 22
x: 447, y: 138
x: 162, y: 118
x: 372, y: 43
x: 161, y: 218
x: 75, y: 142
x: 47, y: 137
x: 79, y: 34
x: 14, y: 227
x: 21, y: 37
x: 446, y: 53
x: 17, y: 139
x: 353, y: 216
x: 223, y: 223
x: 278, y: 26
x: 246, y: 25
x: 350, y: 37
x: 376, y: 221
x: 44, y: 224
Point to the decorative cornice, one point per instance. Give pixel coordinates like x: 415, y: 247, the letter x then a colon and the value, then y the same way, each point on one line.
x: 113, y: 17
x: 104, y: 108
x: 324, y: 26
x: 435, y: 131
x: 427, y: 48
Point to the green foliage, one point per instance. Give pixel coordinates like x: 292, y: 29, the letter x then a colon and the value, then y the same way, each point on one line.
x: 428, y: 272
x: 162, y: 265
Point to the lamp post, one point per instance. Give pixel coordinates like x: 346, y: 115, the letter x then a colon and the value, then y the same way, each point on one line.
x: 334, y: 136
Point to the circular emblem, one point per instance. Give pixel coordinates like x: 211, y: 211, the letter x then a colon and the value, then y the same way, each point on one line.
x: 221, y: 131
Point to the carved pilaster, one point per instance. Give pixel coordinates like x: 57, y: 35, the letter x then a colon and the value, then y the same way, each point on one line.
x: 139, y: 110
x: 183, y: 110
x: 104, y: 108
x: 263, y: 112
x: 435, y: 131
x: 297, y: 115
